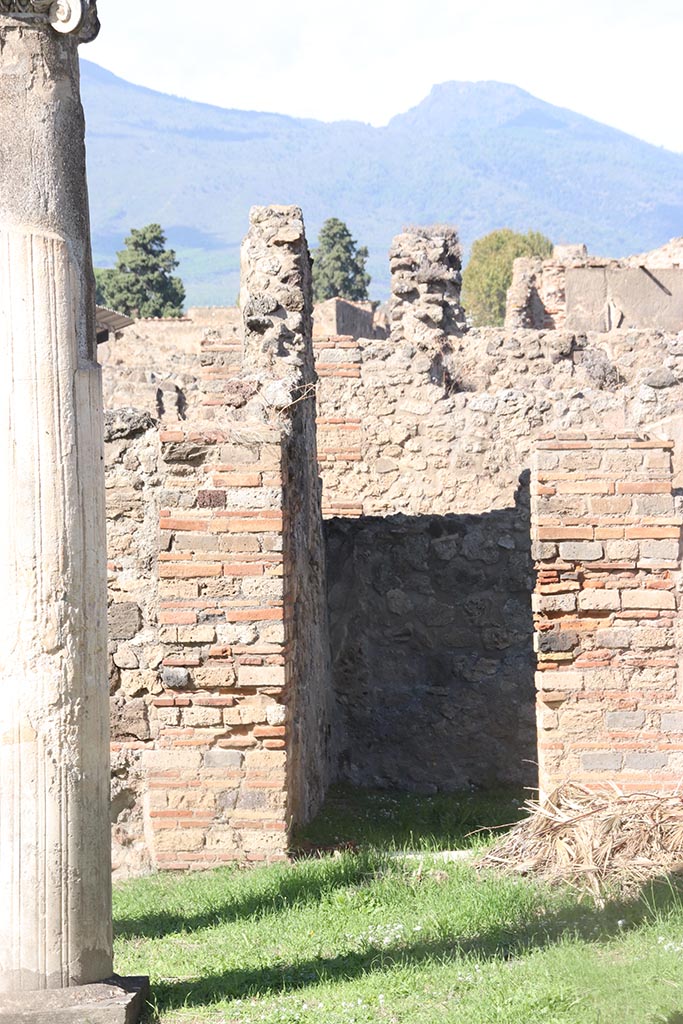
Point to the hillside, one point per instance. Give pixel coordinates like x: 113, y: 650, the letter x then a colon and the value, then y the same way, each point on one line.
x: 479, y: 155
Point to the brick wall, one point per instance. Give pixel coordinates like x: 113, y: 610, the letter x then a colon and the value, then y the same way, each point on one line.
x: 219, y: 648
x: 606, y: 540
x: 216, y: 778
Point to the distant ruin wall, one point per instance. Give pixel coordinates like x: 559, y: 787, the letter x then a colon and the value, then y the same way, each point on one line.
x: 338, y: 316
x: 602, y: 298
x: 577, y: 292
x: 607, y: 612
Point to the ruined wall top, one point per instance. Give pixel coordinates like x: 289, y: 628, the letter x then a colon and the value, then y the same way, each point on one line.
x: 426, y: 280
x: 276, y: 296
x: 68, y: 17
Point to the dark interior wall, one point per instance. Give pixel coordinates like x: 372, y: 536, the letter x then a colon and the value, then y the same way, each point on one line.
x: 431, y: 635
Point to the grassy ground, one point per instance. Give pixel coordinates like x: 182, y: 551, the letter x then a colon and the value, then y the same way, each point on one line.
x: 364, y: 936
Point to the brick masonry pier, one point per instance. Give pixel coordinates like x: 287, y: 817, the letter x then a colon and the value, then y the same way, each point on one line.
x: 606, y: 546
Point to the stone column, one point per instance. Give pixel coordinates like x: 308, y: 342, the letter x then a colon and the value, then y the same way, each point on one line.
x: 55, y: 880
x: 425, y: 287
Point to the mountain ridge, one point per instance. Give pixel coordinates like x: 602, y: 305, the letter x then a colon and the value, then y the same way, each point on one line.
x: 477, y: 155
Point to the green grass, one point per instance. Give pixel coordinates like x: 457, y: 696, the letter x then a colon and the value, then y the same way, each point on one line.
x: 364, y: 936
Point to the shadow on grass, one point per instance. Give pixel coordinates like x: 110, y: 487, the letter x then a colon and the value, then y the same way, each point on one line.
x: 387, y: 819
x: 295, y: 887
x: 369, y: 821
x: 587, y: 924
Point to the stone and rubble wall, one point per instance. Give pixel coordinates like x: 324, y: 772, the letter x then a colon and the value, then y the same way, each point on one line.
x: 172, y: 369
x: 606, y: 541
x: 133, y: 473
x: 395, y: 437
x: 394, y: 440
x: 424, y: 447
x: 431, y: 637
x: 405, y: 459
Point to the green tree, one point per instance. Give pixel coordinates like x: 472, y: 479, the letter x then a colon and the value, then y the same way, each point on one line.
x: 339, y: 265
x: 142, y: 282
x: 488, y: 275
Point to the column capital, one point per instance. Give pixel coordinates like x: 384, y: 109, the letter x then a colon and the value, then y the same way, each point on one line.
x: 68, y: 17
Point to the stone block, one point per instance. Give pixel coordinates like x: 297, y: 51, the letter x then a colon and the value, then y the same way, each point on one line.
x: 599, y: 600
x: 202, y: 717
x: 660, y: 550
x: 542, y: 551
x: 126, y: 657
x: 581, y: 551
x: 179, y: 840
x: 261, y: 675
x: 184, y: 760
x: 276, y: 714
x: 554, y: 641
x: 653, y: 505
x: 219, y: 758
x: 124, y: 620
x: 620, y: 720
x: 129, y: 719
x: 554, y: 602
x: 614, y: 639
x: 638, y: 761
x: 196, y: 634
x: 622, y: 551
x: 672, y: 722
x: 648, y: 599
x: 175, y: 678
x: 211, y: 499
x: 651, y: 638
x: 565, y: 682
x: 116, y: 1001
x: 601, y: 761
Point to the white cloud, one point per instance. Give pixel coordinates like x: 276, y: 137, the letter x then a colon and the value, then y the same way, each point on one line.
x: 614, y: 60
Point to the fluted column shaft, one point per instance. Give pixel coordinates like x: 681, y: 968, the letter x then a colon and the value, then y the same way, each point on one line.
x: 55, y: 875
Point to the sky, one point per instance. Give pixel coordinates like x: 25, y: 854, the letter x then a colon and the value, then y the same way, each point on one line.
x: 617, y: 61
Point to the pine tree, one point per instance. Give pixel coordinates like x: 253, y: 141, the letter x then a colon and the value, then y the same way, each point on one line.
x: 339, y: 265
x: 141, y: 283
x: 488, y: 275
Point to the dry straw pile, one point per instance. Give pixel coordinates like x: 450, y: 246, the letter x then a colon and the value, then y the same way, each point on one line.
x: 595, y: 839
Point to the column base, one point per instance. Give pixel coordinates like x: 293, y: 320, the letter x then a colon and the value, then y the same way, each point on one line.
x: 116, y: 1001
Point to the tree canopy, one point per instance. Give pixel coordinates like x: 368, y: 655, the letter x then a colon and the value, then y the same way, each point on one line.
x: 488, y: 275
x: 142, y: 282
x: 339, y: 265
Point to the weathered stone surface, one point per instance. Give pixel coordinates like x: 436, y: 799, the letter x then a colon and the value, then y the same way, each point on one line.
x: 581, y: 551
x: 116, y: 1001
x: 129, y: 719
x: 126, y: 423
